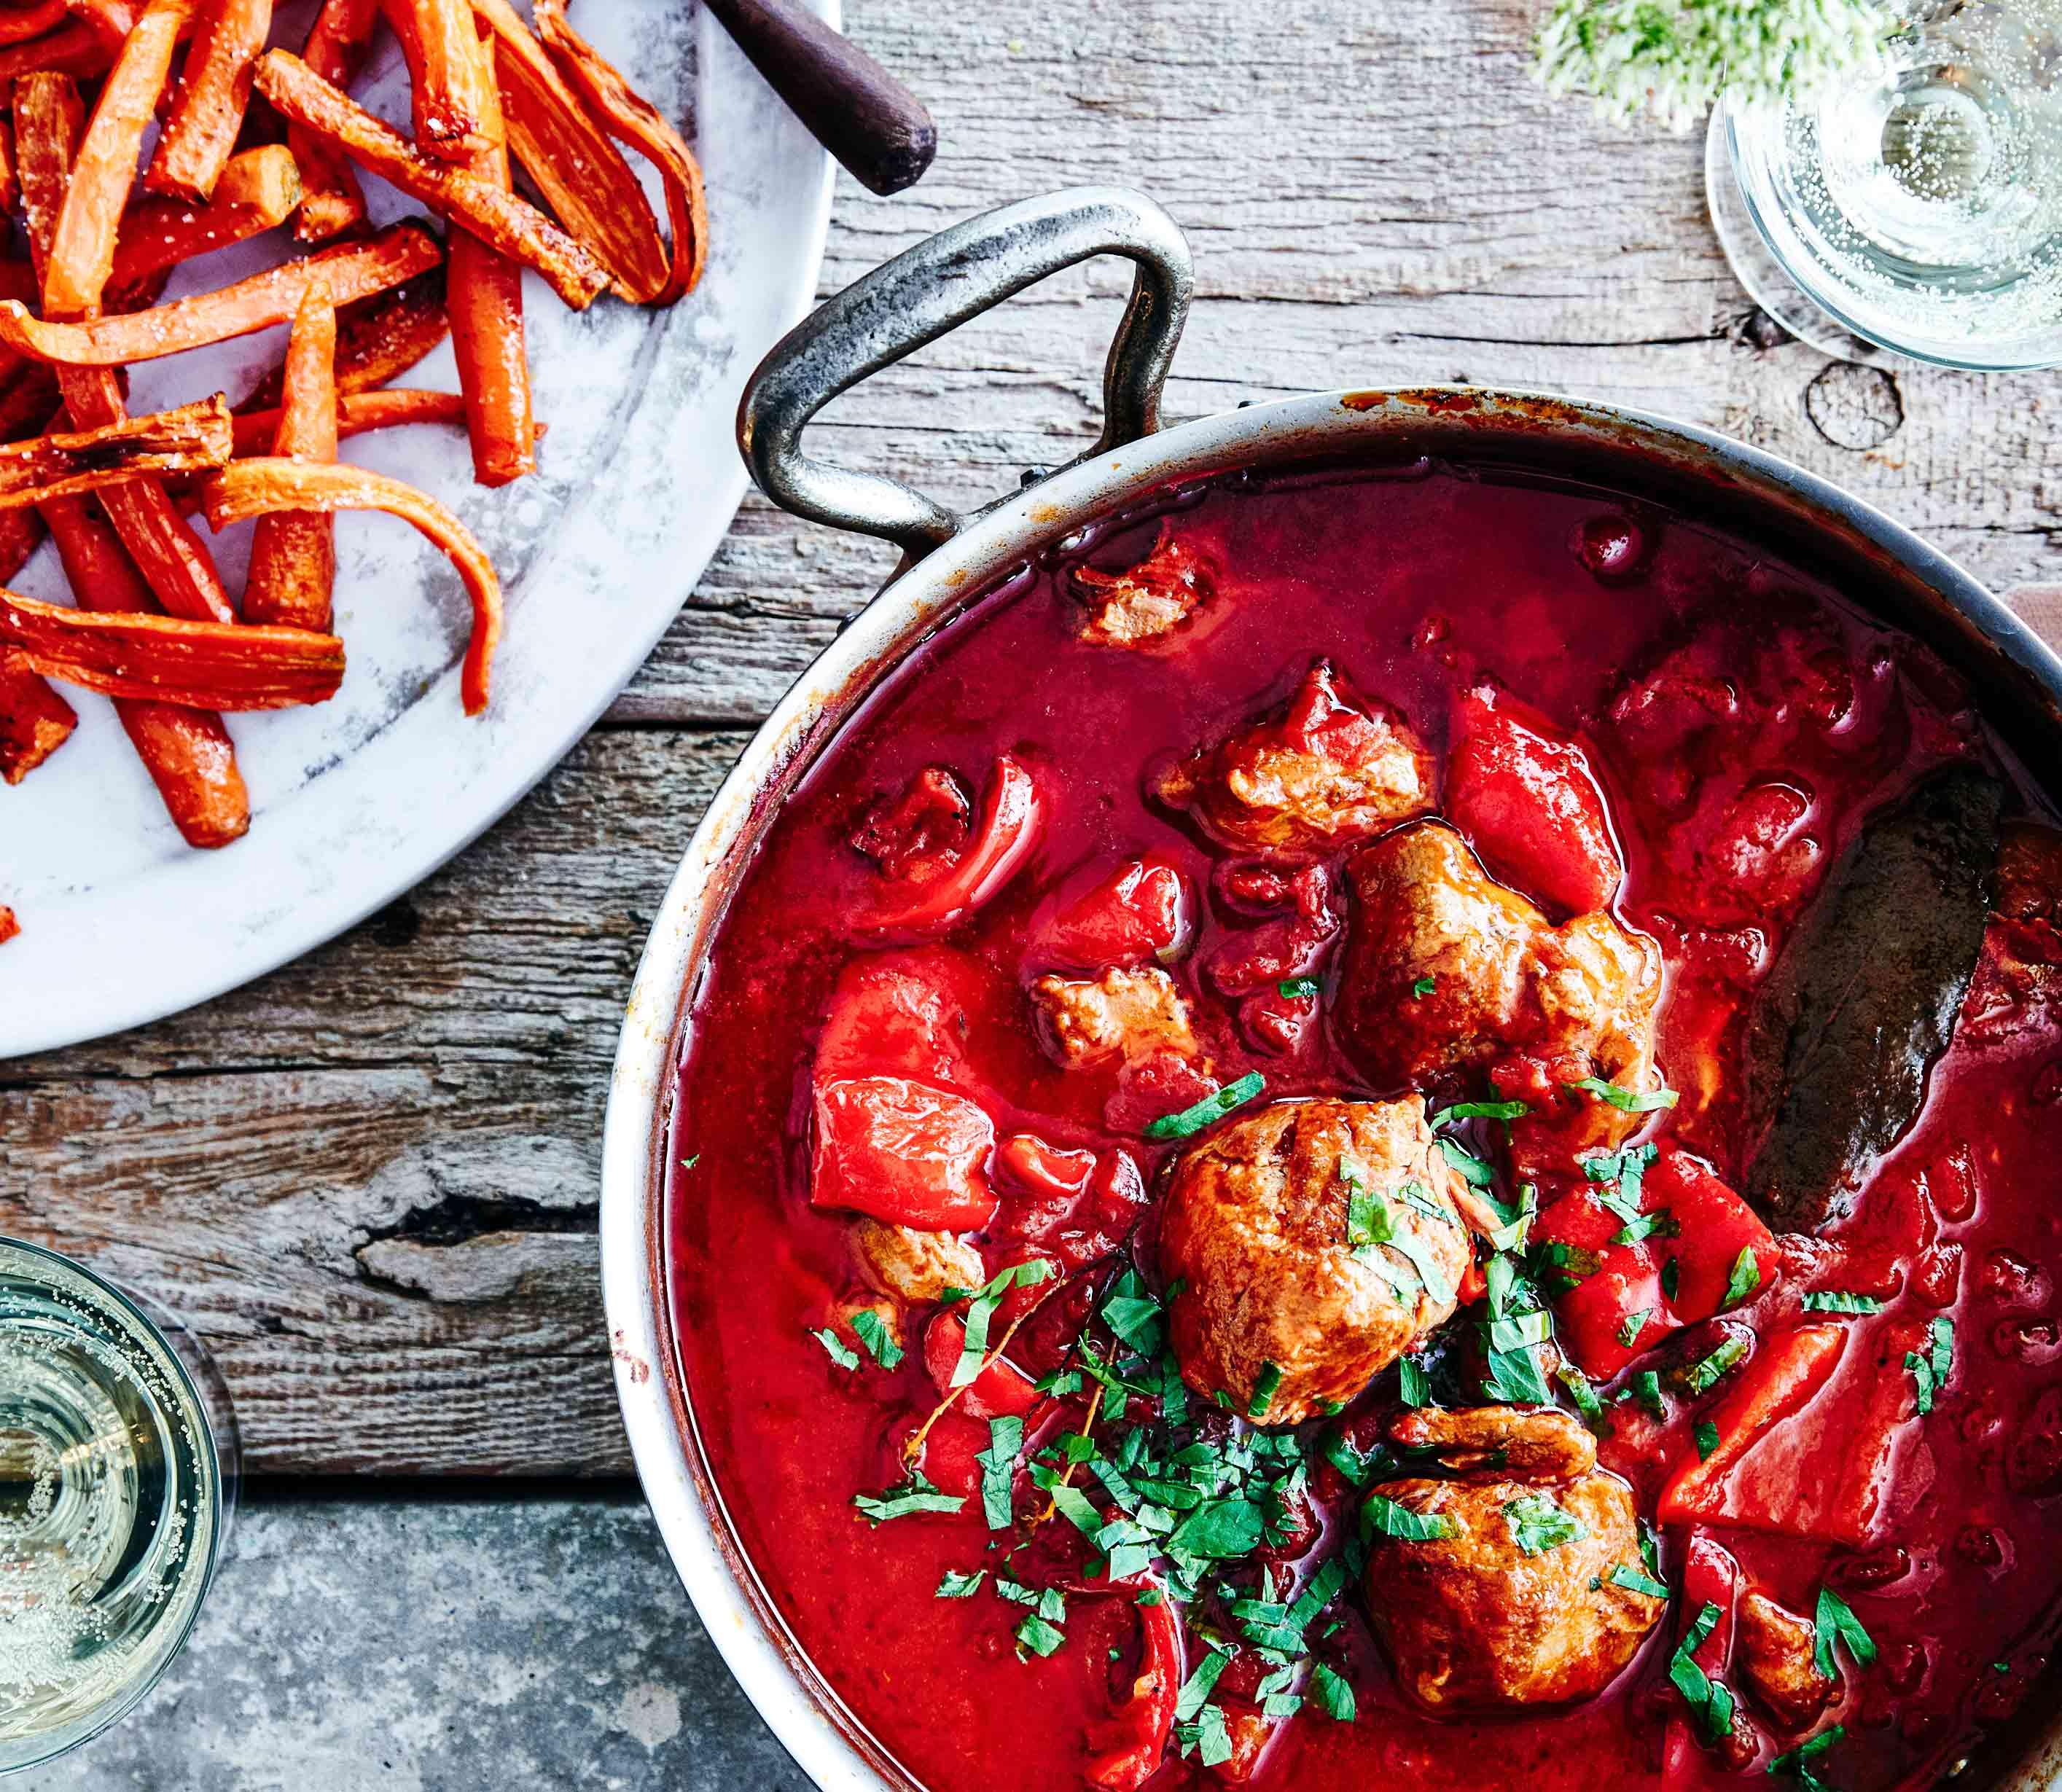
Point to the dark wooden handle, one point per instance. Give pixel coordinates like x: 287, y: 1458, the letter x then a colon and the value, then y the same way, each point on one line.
x: 858, y: 111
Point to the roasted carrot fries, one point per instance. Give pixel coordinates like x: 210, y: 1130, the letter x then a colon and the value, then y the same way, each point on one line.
x: 197, y: 141
x: 512, y: 226
x: 293, y: 553
x: 258, y: 486
x: 199, y: 665
x: 187, y: 440
x: 153, y: 628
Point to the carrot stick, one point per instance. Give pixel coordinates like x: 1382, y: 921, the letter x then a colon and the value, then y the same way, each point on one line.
x: 357, y: 414
x: 9, y: 928
x: 512, y: 226
x: 331, y: 201
x: 18, y: 24
x: 35, y: 722
x: 214, y: 92
x: 630, y: 118
x: 21, y: 534
x: 10, y: 187
x: 77, y: 50
x: 29, y: 402
x: 455, y: 116
x: 199, y: 665
x: 112, y: 20
x: 259, y: 189
x: 185, y: 440
x: 254, y: 487
x: 170, y: 555
x: 186, y: 752
x: 293, y: 553
x: 574, y: 162
x: 81, y: 246
x: 487, y: 329
x: 354, y: 270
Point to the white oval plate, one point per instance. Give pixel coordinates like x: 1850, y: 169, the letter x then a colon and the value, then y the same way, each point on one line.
x: 355, y: 800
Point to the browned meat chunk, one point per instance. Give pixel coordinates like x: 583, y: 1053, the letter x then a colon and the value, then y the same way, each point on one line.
x: 1122, y: 1014
x: 1534, y: 1443
x: 1331, y: 771
x: 1309, y: 1245
x: 1776, y: 1649
x: 1140, y: 606
x: 916, y: 835
x: 1447, y: 970
x: 913, y: 1266
x: 1519, y: 1600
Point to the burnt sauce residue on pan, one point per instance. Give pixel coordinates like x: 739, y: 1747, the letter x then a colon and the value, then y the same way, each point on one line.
x: 1395, y: 1130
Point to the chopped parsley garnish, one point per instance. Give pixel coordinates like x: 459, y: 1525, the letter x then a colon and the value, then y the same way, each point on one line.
x: 1746, y: 1277
x: 1358, y: 1469
x: 1635, y: 1323
x: 1437, y: 1287
x: 1538, y: 1525
x: 1413, y: 1383
x: 1505, y: 1111
x: 1796, y: 1762
x: 1706, y: 1435
x: 1131, y: 1312
x: 1292, y: 988
x: 1368, y: 1219
x: 1931, y: 1367
x: 1474, y: 1171
x: 1264, y: 1386
x: 1704, y: 1374
x: 1635, y: 1580
x: 1645, y: 1390
x: 1513, y: 1223
x: 957, y: 1585
x: 982, y: 1311
x: 1671, y: 1277
x: 1583, y: 1393
x: 915, y: 1494
x: 1710, y: 1701
x: 1424, y: 986
x: 836, y: 1349
x: 998, y: 1470
x: 1412, y: 1195
x: 1659, y: 1224
x: 1568, y: 1265
x: 1835, y: 1622
x: 689, y: 1163
x: 1383, y: 1514
x: 1838, y: 1300
x: 1335, y: 1697
x: 880, y: 1342
x: 1039, y: 1636
x: 1517, y: 1326
x: 1195, y: 1690
x: 1626, y: 1101
x: 1192, y: 1120
x: 1627, y: 1170
x: 1208, y: 1737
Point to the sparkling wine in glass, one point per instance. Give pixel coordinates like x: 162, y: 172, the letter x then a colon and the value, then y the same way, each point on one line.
x: 117, y: 1476
x: 1915, y: 206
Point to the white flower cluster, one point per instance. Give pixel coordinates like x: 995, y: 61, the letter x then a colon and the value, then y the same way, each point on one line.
x: 1671, y: 57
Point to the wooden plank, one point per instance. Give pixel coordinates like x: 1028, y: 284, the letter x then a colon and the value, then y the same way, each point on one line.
x: 371, y: 1178
x: 369, y: 1181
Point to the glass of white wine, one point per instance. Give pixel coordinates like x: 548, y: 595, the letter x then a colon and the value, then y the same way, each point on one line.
x: 1914, y: 206
x: 118, y: 1471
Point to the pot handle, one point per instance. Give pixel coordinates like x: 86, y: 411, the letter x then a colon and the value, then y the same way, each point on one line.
x: 926, y: 291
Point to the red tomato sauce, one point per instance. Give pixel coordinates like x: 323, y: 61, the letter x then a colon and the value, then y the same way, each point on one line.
x: 1416, y: 588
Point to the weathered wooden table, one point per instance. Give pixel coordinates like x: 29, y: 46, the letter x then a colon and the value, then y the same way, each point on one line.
x: 369, y: 1179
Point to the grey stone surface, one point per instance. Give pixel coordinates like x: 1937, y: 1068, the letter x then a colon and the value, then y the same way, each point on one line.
x: 439, y: 1644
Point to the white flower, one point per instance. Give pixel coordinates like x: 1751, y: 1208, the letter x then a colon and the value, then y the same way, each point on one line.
x: 1671, y: 57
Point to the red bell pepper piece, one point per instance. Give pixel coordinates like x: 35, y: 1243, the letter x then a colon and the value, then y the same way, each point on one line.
x: 1710, y: 1228
x: 1711, y: 1577
x: 1000, y: 1390
x: 1141, y: 910
x: 898, y: 1014
x: 1126, y: 1749
x: 1012, y: 816
x: 1785, y: 1373
x: 903, y: 1151
x: 1524, y: 794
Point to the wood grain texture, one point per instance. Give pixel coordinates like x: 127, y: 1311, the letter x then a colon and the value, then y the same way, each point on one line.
x: 371, y: 1178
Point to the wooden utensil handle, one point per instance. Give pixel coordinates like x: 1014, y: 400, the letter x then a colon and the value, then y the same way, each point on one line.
x: 857, y: 110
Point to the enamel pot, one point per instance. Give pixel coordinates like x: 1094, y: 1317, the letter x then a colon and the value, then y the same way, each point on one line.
x: 951, y: 558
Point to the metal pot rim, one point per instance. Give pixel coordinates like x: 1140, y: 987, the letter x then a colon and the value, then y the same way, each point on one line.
x: 825, y: 1739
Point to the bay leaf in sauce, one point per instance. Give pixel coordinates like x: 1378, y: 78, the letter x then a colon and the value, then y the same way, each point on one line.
x: 1864, y: 999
